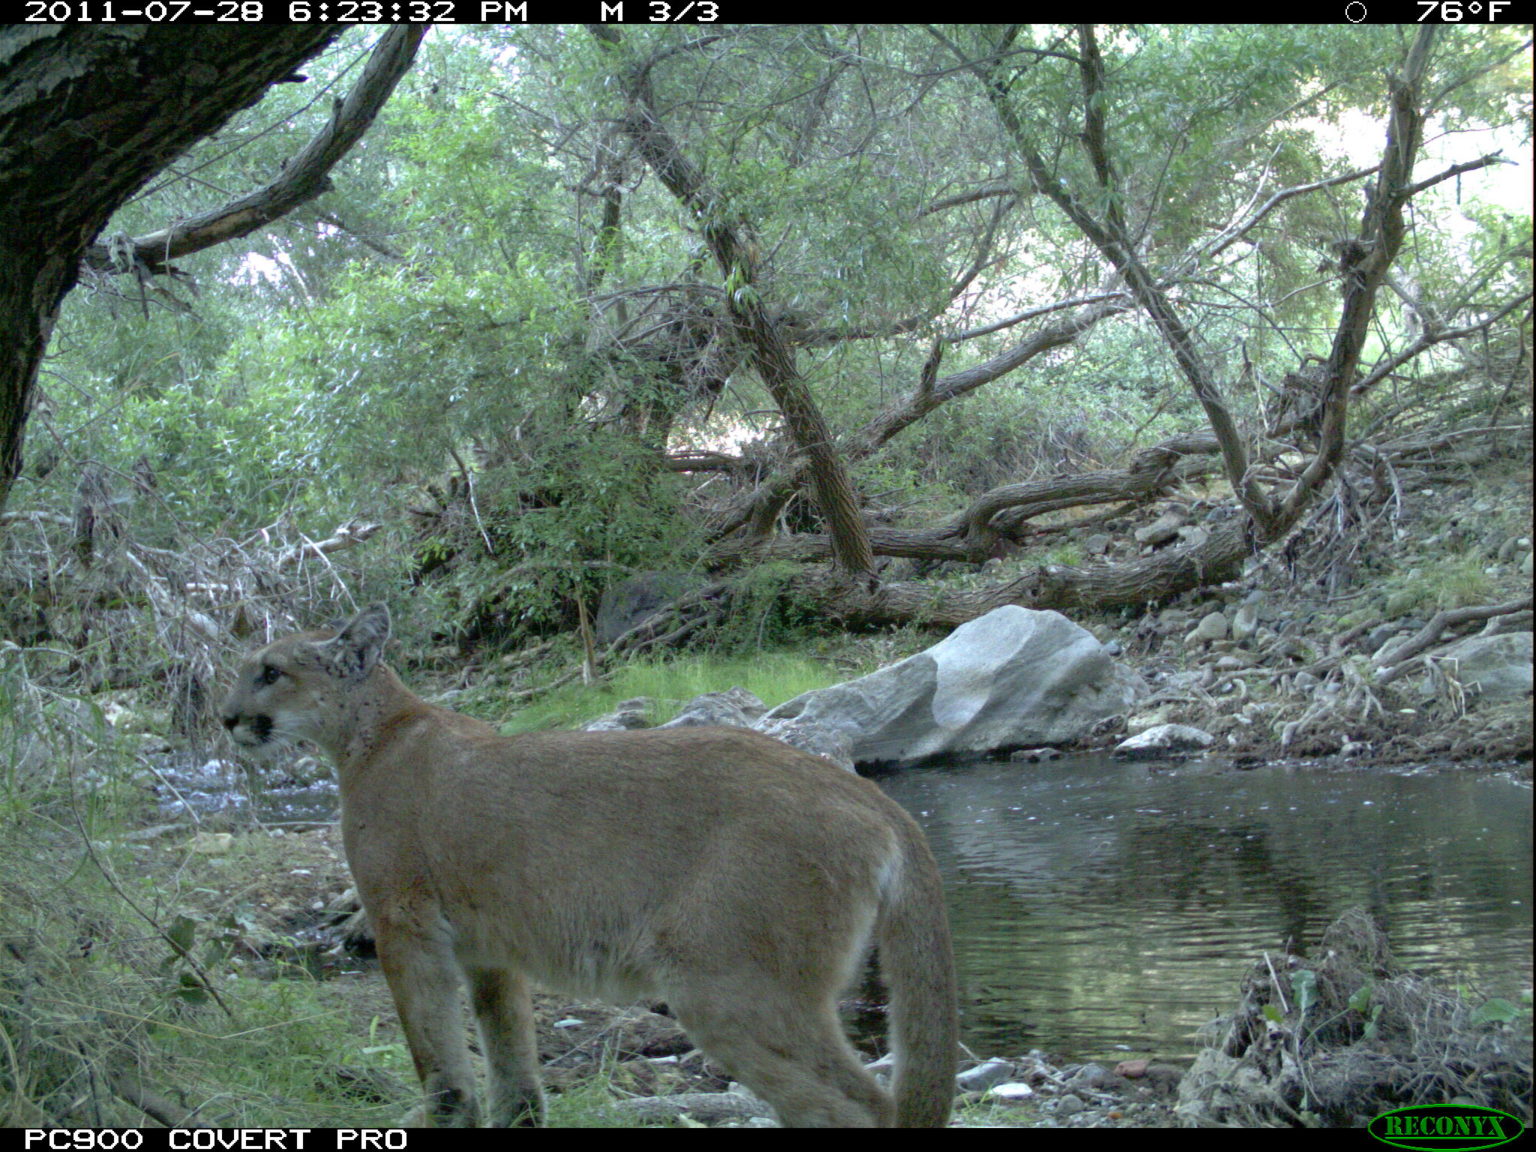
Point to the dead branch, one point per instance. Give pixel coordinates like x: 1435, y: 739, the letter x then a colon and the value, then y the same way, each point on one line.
x: 1000, y: 514
x: 1395, y: 661
x: 349, y: 535
x: 127, y: 1084
x: 763, y: 503
x: 1235, y: 232
x: 36, y: 517
x: 733, y: 243
x: 1427, y: 340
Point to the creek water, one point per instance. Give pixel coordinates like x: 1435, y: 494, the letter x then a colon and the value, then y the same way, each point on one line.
x: 1104, y: 908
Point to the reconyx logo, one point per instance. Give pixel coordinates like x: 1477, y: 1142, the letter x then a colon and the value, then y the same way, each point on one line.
x: 1440, y: 1126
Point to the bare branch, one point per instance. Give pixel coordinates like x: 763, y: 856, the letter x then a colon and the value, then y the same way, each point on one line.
x: 1457, y: 170
x: 1031, y: 313
x: 349, y: 535
x: 968, y: 198
x: 1364, y: 264
x: 1235, y: 232
x: 304, y: 178
x: 1428, y: 340
x: 732, y: 242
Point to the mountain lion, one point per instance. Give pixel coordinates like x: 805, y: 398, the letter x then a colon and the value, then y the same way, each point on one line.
x: 735, y: 876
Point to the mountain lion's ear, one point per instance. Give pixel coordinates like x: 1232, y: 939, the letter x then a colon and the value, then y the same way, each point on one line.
x: 355, y: 650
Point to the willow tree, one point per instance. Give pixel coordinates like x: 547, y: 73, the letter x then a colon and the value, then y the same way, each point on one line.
x: 1153, y: 160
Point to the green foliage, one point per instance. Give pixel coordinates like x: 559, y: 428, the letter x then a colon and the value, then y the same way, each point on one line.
x: 1497, y: 1010
x: 555, y: 523
x: 1304, y: 989
x: 107, y: 964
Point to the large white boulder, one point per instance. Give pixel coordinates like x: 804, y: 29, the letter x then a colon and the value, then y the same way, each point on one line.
x: 1010, y: 679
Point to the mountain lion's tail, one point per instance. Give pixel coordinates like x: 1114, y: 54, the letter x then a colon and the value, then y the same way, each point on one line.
x: 919, y: 969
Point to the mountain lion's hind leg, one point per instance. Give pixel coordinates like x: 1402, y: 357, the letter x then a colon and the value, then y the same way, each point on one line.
x: 791, y: 1052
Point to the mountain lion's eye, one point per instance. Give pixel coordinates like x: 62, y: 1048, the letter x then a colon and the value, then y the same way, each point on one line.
x: 268, y: 674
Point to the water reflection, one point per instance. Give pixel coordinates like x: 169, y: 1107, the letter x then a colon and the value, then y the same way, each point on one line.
x: 1102, y: 907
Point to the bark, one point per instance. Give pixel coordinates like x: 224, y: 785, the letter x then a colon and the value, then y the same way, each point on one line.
x: 999, y: 517
x: 1364, y: 265
x: 1367, y: 258
x: 1396, y: 661
x: 1111, y: 236
x: 1153, y: 579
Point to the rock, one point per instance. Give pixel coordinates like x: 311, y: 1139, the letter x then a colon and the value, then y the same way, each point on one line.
x: 1144, y: 720
x: 1211, y: 628
x: 1011, y: 1091
x: 1163, y: 529
x: 1088, y: 1076
x: 308, y: 771
x: 204, y: 626
x: 836, y: 744
x: 1491, y: 668
x: 1069, y: 1105
x: 1163, y: 739
x: 213, y: 843
x: 154, y: 832
x: 987, y: 1074
x: 733, y: 708
x: 1163, y: 1079
x: 1035, y: 755
x: 119, y: 716
x: 630, y: 601
x: 1525, y: 565
x: 1245, y: 621
x: 1097, y: 544
x: 1132, y: 1069
x: 1012, y: 678
x: 1284, y: 647
x: 629, y: 714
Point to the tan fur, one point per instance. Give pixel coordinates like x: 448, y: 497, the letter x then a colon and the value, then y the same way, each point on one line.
x: 738, y: 878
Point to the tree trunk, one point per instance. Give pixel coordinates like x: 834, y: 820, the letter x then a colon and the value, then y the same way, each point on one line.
x: 1156, y: 578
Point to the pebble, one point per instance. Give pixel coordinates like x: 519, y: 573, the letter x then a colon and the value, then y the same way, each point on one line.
x: 1069, y: 1105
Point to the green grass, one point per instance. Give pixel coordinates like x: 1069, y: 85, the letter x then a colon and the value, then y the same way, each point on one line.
x: 1451, y: 582
x: 773, y: 677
